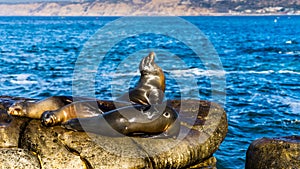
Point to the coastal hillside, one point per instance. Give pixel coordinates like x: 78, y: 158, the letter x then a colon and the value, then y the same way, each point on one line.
x: 149, y: 7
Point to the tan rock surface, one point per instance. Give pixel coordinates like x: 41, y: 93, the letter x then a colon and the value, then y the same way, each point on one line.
x: 16, y: 158
x: 276, y: 153
x: 51, y: 152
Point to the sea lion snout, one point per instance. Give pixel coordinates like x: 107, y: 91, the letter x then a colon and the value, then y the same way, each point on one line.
x: 48, y: 118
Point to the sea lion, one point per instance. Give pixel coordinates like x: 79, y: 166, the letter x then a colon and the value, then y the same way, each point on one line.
x: 80, y: 109
x: 157, y: 121
x: 34, y: 109
x: 149, y: 90
x: 151, y: 85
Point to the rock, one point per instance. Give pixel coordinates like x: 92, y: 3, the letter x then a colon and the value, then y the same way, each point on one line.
x: 10, y: 134
x: 44, y: 142
x: 203, y: 128
x: 276, y: 153
x: 16, y: 158
x: 106, y: 152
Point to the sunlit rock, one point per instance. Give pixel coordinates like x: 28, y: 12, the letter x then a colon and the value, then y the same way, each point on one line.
x: 276, y: 153
x: 203, y: 128
x: 18, y: 159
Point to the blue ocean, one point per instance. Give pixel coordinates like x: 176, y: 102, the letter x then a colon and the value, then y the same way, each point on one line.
x: 258, y: 83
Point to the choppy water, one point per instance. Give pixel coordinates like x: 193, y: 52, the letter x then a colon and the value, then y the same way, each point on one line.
x: 260, y: 57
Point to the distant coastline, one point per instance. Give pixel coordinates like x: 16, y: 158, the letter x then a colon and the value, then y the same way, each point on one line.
x: 142, y: 8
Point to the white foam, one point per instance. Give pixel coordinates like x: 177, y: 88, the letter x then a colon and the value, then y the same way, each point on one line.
x: 20, y: 79
x: 196, y: 72
x: 288, y: 72
x: 292, y: 102
x: 288, y: 42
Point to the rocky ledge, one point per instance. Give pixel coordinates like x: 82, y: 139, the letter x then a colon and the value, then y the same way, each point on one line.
x: 25, y: 143
x: 276, y: 153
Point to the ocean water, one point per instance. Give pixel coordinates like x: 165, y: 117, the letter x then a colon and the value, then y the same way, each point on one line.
x: 260, y: 57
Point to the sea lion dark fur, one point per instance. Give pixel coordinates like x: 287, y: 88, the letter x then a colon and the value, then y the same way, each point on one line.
x: 138, y: 120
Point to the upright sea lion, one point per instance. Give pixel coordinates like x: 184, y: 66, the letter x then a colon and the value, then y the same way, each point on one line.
x: 151, y: 85
x: 34, y: 109
x: 137, y: 120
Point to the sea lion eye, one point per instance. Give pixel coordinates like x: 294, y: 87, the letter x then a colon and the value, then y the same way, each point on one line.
x: 167, y: 114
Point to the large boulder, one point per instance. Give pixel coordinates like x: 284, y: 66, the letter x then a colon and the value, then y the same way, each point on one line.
x: 276, y: 153
x: 203, y: 128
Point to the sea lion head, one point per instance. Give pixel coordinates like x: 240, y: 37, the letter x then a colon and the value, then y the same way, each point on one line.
x: 48, y: 118
x: 18, y: 109
x: 149, y: 68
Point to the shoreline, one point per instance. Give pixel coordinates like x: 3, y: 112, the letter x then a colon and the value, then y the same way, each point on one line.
x: 140, y: 8
x: 201, y: 15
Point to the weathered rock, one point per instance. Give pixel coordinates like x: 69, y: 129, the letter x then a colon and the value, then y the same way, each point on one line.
x: 10, y: 134
x: 203, y: 128
x: 16, y: 158
x: 44, y: 142
x: 106, y: 152
x: 276, y: 153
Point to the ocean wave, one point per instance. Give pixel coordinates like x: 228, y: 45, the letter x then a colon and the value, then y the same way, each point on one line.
x: 20, y: 79
x: 288, y: 72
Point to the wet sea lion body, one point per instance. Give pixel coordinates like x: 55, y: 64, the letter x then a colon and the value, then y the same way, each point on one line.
x: 138, y: 120
x: 34, y: 109
x: 151, y: 85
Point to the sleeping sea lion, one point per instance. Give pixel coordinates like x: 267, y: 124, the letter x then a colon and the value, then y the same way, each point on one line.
x: 151, y: 85
x: 138, y: 120
x: 34, y: 109
x: 80, y: 109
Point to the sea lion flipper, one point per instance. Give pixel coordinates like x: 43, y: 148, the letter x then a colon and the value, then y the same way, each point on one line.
x: 73, y: 124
